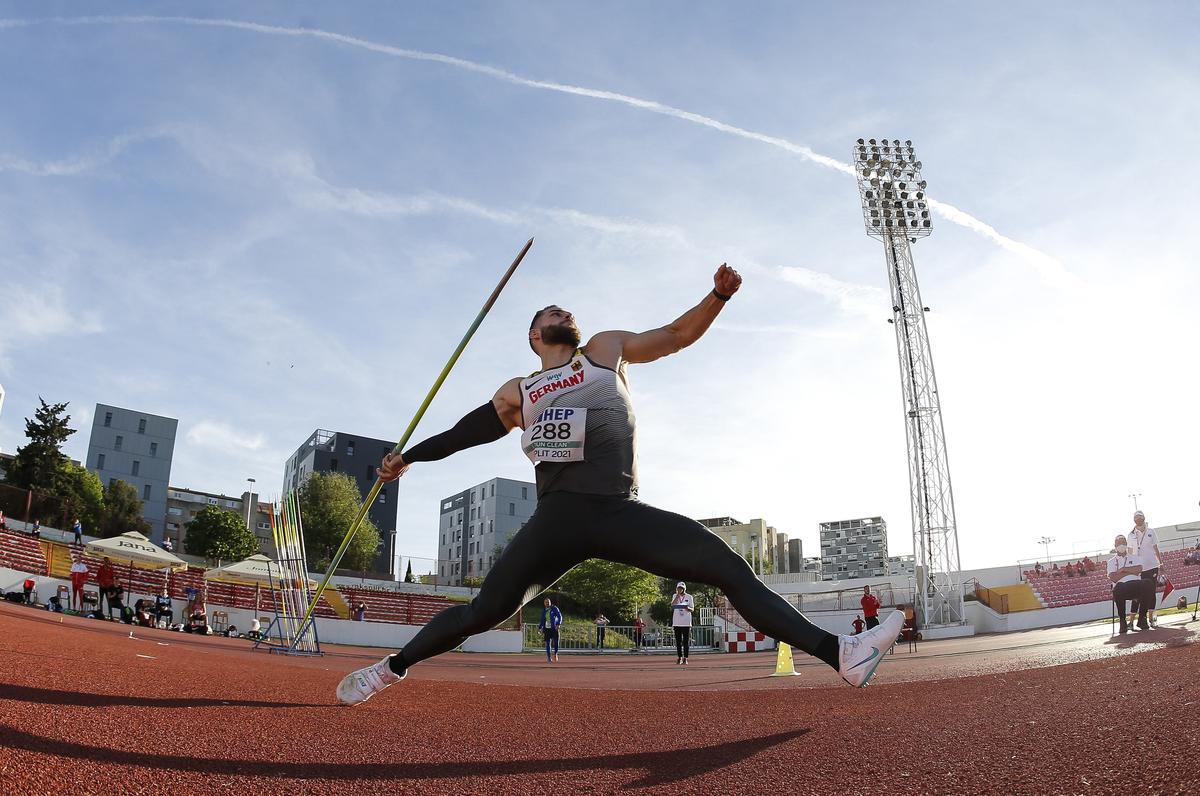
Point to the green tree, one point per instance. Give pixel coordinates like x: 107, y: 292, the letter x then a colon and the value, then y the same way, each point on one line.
x: 38, y: 465
x: 122, y: 511
x: 617, y: 589
x: 329, y: 503
x: 220, y: 535
x: 83, y: 496
x: 408, y: 576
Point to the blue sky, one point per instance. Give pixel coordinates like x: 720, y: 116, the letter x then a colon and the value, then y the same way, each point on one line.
x: 264, y: 231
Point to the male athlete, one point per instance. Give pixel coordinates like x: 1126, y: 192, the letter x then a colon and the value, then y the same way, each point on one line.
x: 579, y: 431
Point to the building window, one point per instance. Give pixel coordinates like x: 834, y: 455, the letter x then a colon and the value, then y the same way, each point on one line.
x: 136, y: 467
x: 153, y: 449
x: 443, y: 539
x: 524, y: 493
x: 441, y: 570
x: 382, y: 497
x: 512, y: 509
x: 371, y: 475
x: 99, y: 461
x: 350, y: 448
x: 142, y: 426
x: 111, y: 482
x: 490, y: 526
x: 118, y: 443
x: 492, y: 490
x: 175, y: 511
x: 146, y: 492
x: 460, y: 518
x: 333, y: 465
x: 107, y: 419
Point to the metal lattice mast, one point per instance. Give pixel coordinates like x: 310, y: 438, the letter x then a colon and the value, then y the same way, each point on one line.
x: 896, y: 212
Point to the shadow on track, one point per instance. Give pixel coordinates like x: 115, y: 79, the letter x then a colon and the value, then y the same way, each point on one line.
x: 48, y: 696
x: 1166, y: 636
x: 658, y: 768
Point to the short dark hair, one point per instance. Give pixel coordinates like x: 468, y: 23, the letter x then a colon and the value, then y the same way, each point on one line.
x: 533, y: 323
x: 540, y: 313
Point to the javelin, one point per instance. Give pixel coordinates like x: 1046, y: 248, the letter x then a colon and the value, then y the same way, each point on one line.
x: 370, y: 499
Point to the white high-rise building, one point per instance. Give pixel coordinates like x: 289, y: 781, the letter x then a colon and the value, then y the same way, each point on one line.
x: 475, y: 525
x: 854, y: 549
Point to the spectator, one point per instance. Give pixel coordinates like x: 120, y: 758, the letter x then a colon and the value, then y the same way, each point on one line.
x: 255, y: 631
x: 197, y: 623
x: 116, y: 599
x: 1037, y: 567
x: 601, y: 624
x: 231, y: 632
x: 870, y: 607
x: 29, y: 585
x: 360, y: 612
x: 549, y: 623
x: 1081, y: 569
x: 1055, y: 572
x: 638, y: 628
x: 1089, y: 564
x: 3, y: 523
x: 79, y: 576
x: 858, y: 625
x: 683, y: 605
x: 162, y: 607
x: 106, y: 578
x: 166, y: 545
x: 1144, y: 544
x: 36, y: 531
x: 1125, y: 573
x: 78, y: 529
x: 141, y: 613
x: 54, y: 605
x: 1070, y: 570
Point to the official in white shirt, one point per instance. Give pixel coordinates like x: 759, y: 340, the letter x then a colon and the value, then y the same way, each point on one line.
x: 1144, y: 543
x: 1125, y: 573
x: 682, y: 606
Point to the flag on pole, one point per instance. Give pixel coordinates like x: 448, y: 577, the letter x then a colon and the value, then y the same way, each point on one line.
x: 1167, y: 589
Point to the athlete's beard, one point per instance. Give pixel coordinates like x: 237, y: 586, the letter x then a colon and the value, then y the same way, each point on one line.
x: 561, y: 334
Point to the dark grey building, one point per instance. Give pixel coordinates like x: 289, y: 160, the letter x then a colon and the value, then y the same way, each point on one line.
x: 357, y: 457
x: 135, y: 447
x: 795, y: 555
x: 854, y: 549
x: 476, y: 524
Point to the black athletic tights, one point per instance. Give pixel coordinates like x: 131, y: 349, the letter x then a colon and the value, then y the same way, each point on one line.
x: 567, y: 528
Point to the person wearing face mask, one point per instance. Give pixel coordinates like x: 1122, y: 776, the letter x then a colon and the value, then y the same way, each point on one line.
x: 1125, y: 573
x: 1144, y: 543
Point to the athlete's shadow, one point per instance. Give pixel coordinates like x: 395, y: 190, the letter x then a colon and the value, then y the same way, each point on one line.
x: 1169, y: 636
x: 48, y: 696
x: 657, y: 768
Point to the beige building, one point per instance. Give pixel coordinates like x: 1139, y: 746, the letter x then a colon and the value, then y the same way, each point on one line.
x: 184, y: 504
x: 757, y: 542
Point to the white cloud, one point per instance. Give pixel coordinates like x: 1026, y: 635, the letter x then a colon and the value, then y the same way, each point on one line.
x: 219, y: 436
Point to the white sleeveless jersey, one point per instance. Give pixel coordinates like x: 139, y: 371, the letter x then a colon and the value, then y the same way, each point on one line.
x: 580, y: 430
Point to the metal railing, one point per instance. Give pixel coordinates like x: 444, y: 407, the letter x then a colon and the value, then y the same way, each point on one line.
x: 619, y: 638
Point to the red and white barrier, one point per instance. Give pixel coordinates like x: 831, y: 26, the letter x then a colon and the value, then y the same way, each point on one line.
x: 747, y: 641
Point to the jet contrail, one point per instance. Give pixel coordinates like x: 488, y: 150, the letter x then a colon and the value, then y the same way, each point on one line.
x: 1051, y: 268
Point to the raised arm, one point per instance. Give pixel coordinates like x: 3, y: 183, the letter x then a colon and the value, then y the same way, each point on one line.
x: 675, y: 336
x: 488, y: 423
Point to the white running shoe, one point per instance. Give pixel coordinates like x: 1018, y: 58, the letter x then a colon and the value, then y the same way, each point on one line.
x: 365, y: 683
x: 859, y: 656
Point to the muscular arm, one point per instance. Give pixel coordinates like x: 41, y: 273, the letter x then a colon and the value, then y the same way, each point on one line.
x: 675, y: 336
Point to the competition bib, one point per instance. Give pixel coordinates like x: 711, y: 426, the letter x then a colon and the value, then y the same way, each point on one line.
x: 556, y: 435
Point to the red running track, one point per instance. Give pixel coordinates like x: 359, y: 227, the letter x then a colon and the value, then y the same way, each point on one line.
x: 86, y: 709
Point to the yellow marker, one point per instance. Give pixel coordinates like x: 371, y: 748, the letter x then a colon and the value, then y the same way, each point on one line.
x: 783, y: 662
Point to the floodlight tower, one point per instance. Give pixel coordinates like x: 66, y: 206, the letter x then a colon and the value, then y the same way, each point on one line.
x: 896, y: 212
